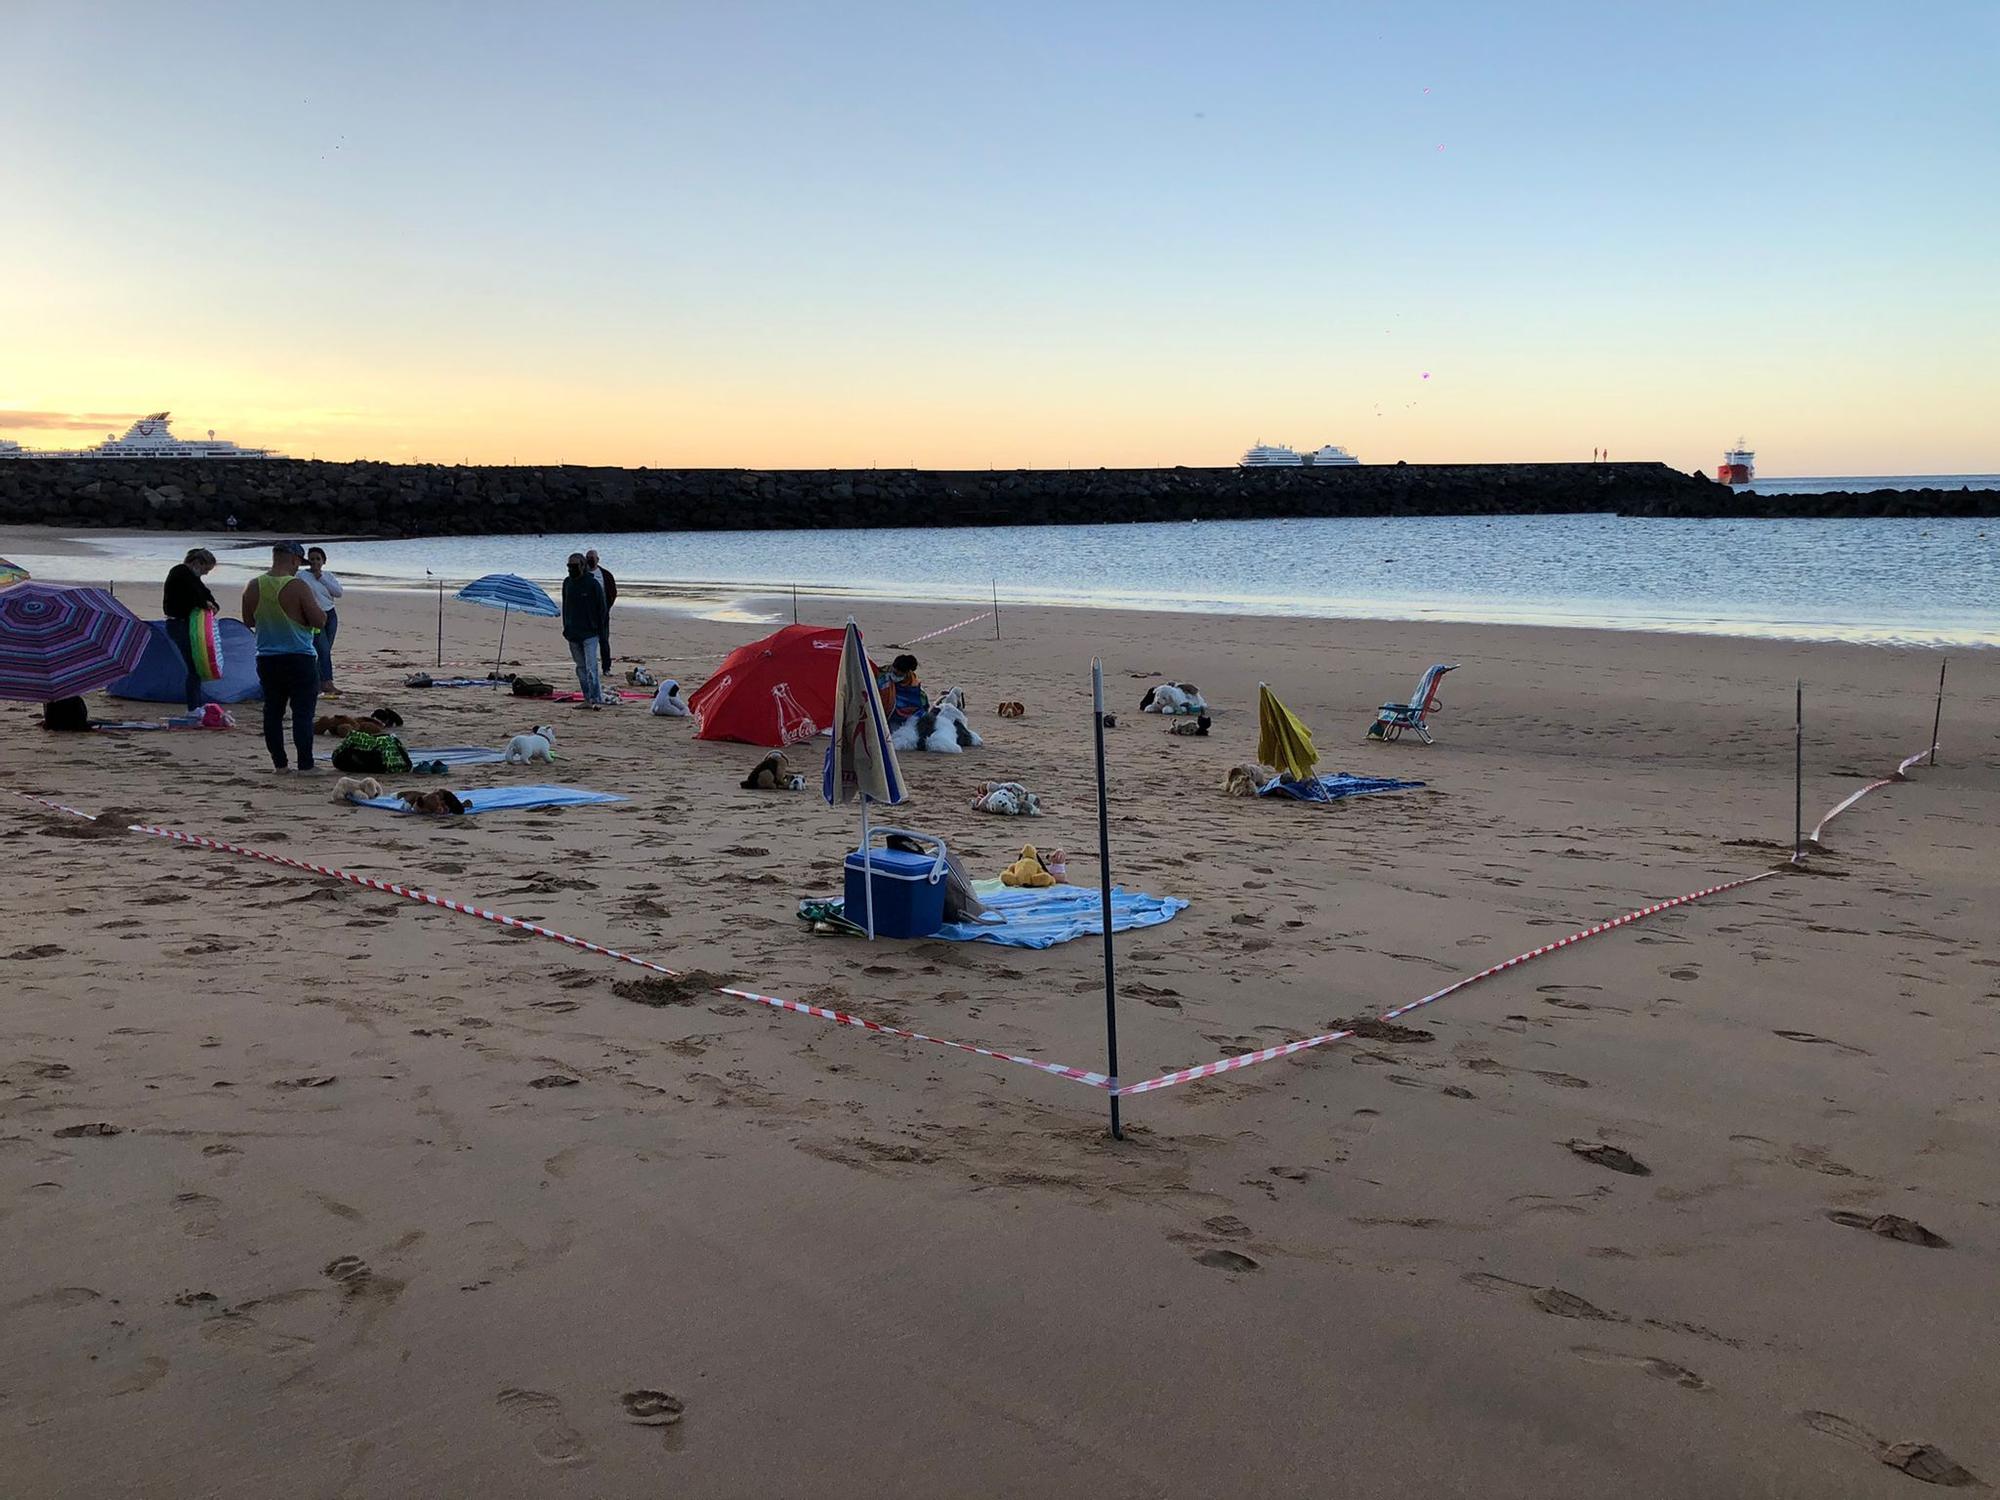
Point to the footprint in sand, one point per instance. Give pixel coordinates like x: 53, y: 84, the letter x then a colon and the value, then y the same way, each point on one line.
x: 1659, y: 1369
x: 240, y: 1331
x: 348, y: 1272
x: 1226, y: 1260
x: 553, y: 1439
x: 1891, y: 1227
x: 1617, y: 1159
x: 1684, y: 973
x: 1921, y: 1461
x: 651, y: 1408
x: 200, y: 1215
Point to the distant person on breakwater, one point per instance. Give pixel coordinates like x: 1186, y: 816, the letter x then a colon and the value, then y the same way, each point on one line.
x: 608, y: 586
x: 583, y: 617
x: 182, y: 597
x: 325, y: 589
x: 284, y: 613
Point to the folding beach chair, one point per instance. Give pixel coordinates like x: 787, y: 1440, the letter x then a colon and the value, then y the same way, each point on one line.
x: 1396, y: 717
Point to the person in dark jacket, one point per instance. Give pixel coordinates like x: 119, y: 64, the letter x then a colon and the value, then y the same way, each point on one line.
x: 609, y: 586
x: 183, y: 595
x: 583, y: 619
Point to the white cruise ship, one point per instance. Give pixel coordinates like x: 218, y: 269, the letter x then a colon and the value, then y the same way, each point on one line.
x: 1266, y: 456
x: 1332, y: 453
x: 149, y: 437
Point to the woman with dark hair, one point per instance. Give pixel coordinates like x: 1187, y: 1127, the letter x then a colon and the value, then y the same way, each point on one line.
x: 325, y: 589
x: 183, y: 595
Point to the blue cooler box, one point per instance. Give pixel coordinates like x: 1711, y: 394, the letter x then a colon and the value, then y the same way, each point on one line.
x: 909, y: 902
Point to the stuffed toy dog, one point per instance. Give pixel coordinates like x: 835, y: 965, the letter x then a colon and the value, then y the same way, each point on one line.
x: 538, y: 743
x: 771, y: 774
x: 439, y: 801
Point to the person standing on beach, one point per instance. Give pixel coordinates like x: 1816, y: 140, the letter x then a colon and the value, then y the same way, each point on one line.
x: 583, y: 618
x: 608, y: 586
x: 325, y: 589
x: 284, y: 613
x: 182, y: 598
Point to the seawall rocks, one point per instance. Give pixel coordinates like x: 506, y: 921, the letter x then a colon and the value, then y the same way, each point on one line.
x: 436, y: 500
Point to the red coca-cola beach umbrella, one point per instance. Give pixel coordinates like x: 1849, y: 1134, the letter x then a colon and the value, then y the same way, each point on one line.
x: 776, y: 692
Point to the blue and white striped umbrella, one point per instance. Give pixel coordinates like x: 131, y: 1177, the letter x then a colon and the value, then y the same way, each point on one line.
x: 507, y: 592
x: 510, y: 591
x: 860, y: 759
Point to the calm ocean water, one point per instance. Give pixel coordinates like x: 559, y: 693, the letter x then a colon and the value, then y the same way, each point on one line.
x: 1862, y: 484
x: 1882, y: 581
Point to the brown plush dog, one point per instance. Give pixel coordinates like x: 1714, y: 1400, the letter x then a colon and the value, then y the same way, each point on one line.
x: 438, y: 801
x: 340, y: 726
x: 1011, y: 710
x: 771, y: 774
x: 1243, y: 781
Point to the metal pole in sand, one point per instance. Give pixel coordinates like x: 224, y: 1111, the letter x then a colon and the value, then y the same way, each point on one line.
x: 440, y: 622
x: 795, y: 604
x: 1104, y: 893
x: 867, y: 867
x: 1799, y: 772
x: 1938, y: 719
x: 996, y: 609
x: 505, y: 610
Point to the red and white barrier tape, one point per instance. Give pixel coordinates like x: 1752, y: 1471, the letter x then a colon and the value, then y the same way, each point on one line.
x: 1059, y: 1070
x: 61, y: 807
x: 934, y: 634
x: 1229, y: 1064
x: 410, y: 893
x: 1842, y: 806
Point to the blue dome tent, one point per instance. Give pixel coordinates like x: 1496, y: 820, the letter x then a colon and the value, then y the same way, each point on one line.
x: 161, y: 673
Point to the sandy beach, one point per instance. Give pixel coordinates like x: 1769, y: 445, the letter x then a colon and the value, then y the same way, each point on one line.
x: 403, y: 1203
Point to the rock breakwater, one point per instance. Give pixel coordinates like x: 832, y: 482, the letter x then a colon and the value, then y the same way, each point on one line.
x: 438, y: 500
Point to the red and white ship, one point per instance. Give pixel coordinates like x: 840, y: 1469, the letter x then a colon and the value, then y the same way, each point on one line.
x: 1738, y: 466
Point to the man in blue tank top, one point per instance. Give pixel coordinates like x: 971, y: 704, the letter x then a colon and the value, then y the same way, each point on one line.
x: 287, y: 619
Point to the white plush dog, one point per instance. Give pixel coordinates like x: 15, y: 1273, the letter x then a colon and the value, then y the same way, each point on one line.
x: 538, y: 743
x: 1173, y: 698
x: 355, y: 788
x: 942, y: 731
x: 954, y: 697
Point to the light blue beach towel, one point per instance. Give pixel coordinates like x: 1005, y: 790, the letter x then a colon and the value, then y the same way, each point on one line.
x: 460, y: 755
x: 1056, y: 914
x: 493, y: 799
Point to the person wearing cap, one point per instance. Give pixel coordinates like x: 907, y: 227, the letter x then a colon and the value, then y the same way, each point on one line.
x: 287, y: 619
x: 903, y: 695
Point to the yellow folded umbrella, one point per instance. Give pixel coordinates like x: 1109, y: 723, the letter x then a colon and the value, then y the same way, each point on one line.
x: 1282, y: 741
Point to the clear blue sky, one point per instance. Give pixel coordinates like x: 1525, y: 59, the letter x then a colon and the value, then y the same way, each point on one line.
x: 1016, y: 233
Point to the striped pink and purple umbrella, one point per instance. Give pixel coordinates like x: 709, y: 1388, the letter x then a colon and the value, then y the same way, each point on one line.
x: 58, y: 642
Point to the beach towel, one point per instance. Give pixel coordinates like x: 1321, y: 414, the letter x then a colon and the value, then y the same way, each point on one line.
x: 495, y: 799
x: 459, y: 755
x: 1333, y: 788
x: 1044, y: 918
x: 458, y: 682
x: 573, y: 696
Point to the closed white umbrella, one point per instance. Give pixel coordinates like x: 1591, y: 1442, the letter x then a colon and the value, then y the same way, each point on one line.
x: 860, y: 760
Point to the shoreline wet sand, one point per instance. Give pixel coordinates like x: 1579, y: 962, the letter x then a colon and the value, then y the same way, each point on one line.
x: 402, y: 1202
